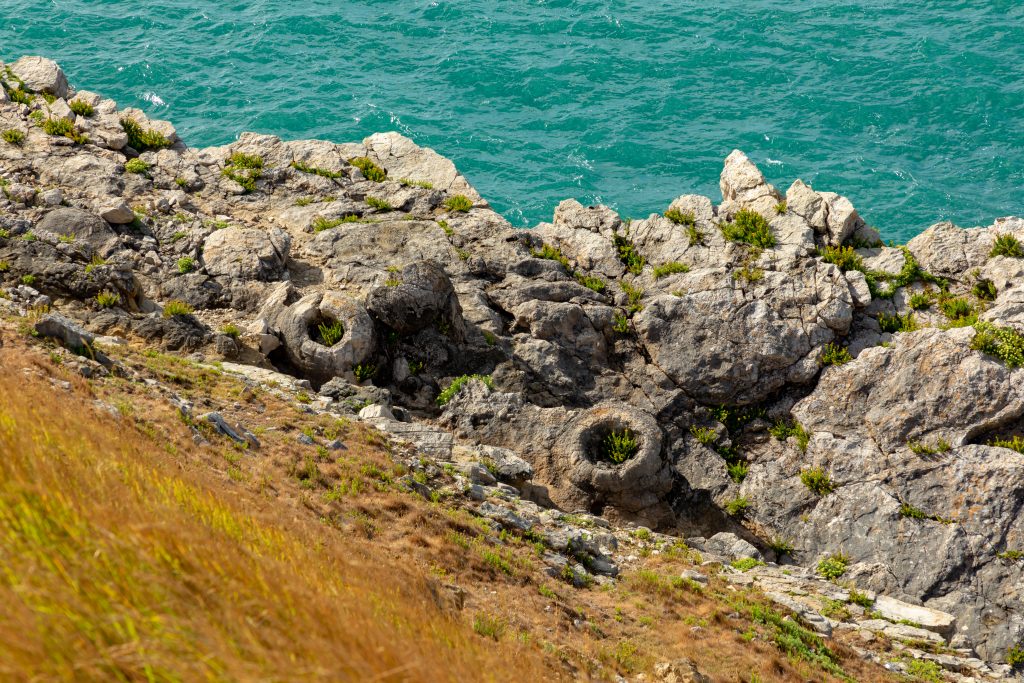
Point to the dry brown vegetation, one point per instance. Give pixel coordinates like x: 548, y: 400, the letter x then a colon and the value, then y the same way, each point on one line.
x: 129, y: 552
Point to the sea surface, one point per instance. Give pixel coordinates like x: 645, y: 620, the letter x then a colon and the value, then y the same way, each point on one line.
x: 914, y: 110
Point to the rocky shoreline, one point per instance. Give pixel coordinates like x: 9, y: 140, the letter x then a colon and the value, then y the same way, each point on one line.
x: 762, y: 377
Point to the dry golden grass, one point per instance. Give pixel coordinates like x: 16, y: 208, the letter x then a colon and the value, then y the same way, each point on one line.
x: 116, y: 565
x: 127, y: 552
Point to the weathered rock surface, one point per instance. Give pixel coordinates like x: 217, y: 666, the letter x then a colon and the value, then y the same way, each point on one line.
x: 662, y: 329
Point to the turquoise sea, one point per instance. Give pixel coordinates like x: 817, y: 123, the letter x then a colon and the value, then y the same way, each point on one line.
x: 913, y: 110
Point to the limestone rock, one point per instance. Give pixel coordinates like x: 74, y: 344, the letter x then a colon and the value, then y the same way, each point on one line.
x: 246, y: 254
x: 41, y: 75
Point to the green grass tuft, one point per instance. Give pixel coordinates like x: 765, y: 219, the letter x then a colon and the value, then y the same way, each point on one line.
x: 671, y: 268
x: 370, y: 170
x: 142, y: 140
x: 618, y: 447
x: 458, y: 383
x: 817, y: 481
x: 751, y: 228
x: 1007, y: 245
x: 176, y: 308
x: 457, y: 203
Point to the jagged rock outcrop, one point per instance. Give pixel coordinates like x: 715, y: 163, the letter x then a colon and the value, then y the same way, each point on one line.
x: 375, y: 272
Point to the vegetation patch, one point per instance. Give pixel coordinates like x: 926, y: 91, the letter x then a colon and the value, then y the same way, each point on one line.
x: 745, y: 564
x: 82, y: 108
x: 186, y: 264
x: 671, y: 268
x: 370, y: 170
x: 737, y: 507
x: 1004, y: 343
x: 921, y: 448
x: 13, y: 136
x: 628, y: 254
x: 176, y: 308
x: 751, y: 228
x: 328, y: 332
x: 141, y: 139
x: 136, y: 166
x: 783, y: 429
x: 458, y: 203
x: 897, y: 323
x: 1014, y: 444
x: 817, y: 481
x: 379, y: 204
x: 1007, y: 245
x: 833, y: 566
x: 959, y: 311
x: 108, y: 299
x: 62, y: 128
x: 835, y: 355
x: 678, y: 217
x: 244, y: 169
x: 618, y: 446
x: 985, y: 289
x: 458, y: 383
x: 315, y: 170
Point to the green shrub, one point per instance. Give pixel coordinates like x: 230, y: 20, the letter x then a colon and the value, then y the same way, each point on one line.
x: 13, y: 136
x: 552, y: 254
x: 620, y: 323
x: 908, y: 510
x: 1007, y: 245
x: 628, y: 254
x: 364, y: 372
x: 781, y: 546
x: 680, y: 218
x: 751, y: 228
x: 458, y: 203
x: 28, y: 280
x: 738, y: 470
x: 174, y: 308
x: 745, y: 564
x: 737, y: 507
x: 62, y: 128
x: 422, y: 184
x: 835, y: 355
x: 370, y: 170
x: 143, y: 140
x: 82, y: 108
x: 920, y: 448
x: 925, y: 670
x: 136, y: 166
x: 833, y: 566
x: 488, y: 626
x: 784, y: 429
x: 985, y: 290
x: 705, y: 435
x: 244, y: 169
x: 1014, y: 444
x: 108, y: 299
x: 897, y: 323
x: 618, y: 447
x: 231, y: 330
x: 458, y: 383
x: 1005, y: 343
x: 959, y: 311
x: 314, y: 170
x: 20, y: 96
x: 920, y: 302
x: 633, y: 297
x: 782, y: 207
x: 845, y: 258
x: 862, y: 599
x: 817, y: 481
x: 592, y: 282
x: 186, y: 264
x: 1015, y: 656
x: 329, y: 332
x: 320, y: 223
x: 379, y: 204
x: 670, y: 269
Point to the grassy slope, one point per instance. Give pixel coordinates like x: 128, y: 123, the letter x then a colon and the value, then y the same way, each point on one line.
x: 127, y: 552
